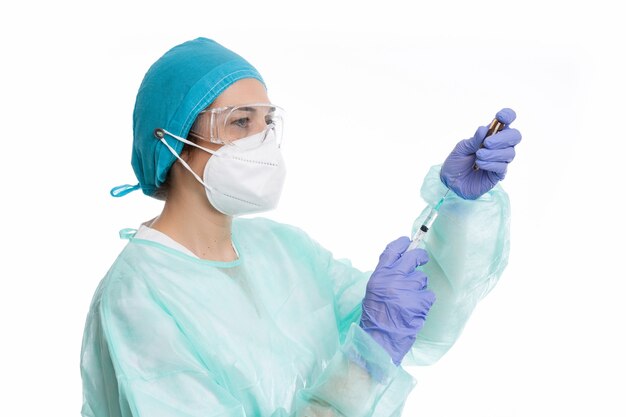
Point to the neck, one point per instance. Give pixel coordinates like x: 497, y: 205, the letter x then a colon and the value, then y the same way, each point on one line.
x: 190, y: 220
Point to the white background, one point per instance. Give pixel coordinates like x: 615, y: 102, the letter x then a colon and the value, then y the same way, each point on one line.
x: 376, y: 93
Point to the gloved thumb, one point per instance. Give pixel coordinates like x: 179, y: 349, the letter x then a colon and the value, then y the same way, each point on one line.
x: 473, y: 144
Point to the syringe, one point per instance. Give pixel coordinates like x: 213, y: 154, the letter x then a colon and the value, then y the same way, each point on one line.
x: 428, y: 222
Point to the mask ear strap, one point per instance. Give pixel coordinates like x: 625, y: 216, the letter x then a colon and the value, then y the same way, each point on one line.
x: 182, y: 161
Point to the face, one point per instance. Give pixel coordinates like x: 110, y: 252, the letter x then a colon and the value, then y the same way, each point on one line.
x: 245, y: 91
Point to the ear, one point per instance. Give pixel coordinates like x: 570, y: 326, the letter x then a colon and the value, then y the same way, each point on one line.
x: 185, y: 153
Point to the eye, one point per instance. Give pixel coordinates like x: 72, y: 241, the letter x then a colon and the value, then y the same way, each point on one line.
x: 242, y: 122
x: 270, y: 118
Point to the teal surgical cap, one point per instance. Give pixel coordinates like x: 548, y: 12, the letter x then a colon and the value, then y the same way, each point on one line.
x: 178, y: 86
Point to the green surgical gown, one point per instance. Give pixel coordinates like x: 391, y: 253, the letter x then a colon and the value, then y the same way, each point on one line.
x: 274, y: 333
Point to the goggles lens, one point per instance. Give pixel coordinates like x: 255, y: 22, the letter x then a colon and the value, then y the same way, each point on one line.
x: 226, y: 125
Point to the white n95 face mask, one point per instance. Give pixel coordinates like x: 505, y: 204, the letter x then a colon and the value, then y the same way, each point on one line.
x: 244, y: 177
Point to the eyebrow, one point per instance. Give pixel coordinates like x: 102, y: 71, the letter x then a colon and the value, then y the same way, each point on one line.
x: 253, y: 110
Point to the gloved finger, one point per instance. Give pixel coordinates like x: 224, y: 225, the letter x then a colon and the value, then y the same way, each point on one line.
x: 506, y: 116
x: 503, y: 139
x: 424, y: 301
x: 496, y: 155
x: 497, y: 167
x: 393, y: 251
x: 418, y: 280
x: 411, y: 260
x: 401, y: 289
x: 428, y: 297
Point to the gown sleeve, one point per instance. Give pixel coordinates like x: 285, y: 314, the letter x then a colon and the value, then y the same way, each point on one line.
x: 468, y: 246
x: 361, y: 379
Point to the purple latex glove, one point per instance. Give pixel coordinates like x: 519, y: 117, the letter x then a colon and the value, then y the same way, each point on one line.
x: 396, y: 301
x: 457, y: 172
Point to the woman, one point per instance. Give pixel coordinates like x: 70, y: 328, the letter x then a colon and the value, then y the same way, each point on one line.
x: 207, y: 314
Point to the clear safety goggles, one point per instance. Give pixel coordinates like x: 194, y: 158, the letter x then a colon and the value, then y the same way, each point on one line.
x: 226, y: 125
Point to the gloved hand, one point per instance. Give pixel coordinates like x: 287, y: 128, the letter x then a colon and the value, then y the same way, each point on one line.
x: 458, y: 172
x: 396, y: 301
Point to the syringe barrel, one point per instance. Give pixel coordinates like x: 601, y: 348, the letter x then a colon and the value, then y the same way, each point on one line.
x: 430, y: 219
x: 424, y: 228
x: 417, y: 239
